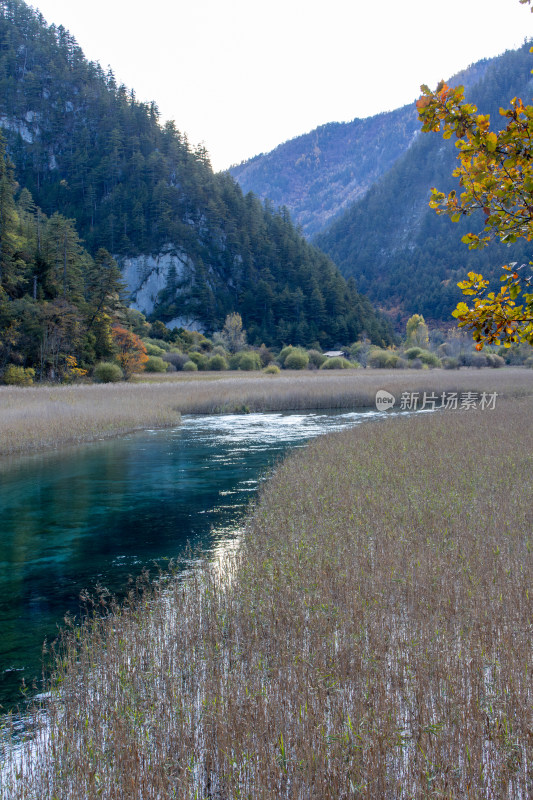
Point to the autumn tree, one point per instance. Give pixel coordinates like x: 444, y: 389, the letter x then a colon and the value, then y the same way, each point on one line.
x: 417, y: 333
x: 232, y: 335
x: 495, y: 173
x: 131, y: 352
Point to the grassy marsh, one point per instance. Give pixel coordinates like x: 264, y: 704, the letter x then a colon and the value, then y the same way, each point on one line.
x: 39, y: 417
x: 370, y: 638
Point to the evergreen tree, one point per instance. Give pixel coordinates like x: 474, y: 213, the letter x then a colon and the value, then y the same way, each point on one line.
x: 92, y: 153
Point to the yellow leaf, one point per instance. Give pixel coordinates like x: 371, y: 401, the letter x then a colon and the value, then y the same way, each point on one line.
x: 492, y: 141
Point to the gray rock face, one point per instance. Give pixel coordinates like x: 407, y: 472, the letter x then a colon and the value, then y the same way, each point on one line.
x: 18, y: 126
x: 186, y: 322
x: 147, y: 275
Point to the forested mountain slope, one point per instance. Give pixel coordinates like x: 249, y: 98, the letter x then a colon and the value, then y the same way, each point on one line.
x: 191, y: 246
x: 322, y: 173
x: 400, y: 252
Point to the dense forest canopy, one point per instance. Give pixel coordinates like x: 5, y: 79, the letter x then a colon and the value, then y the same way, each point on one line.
x: 87, y: 150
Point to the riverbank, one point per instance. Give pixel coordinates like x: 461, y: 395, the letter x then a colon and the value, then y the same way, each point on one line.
x: 370, y: 638
x: 42, y: 417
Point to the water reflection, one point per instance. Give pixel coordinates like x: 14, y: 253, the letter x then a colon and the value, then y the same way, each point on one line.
x: 102, y: 512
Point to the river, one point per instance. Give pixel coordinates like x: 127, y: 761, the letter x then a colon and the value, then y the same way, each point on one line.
x: 102, y: 512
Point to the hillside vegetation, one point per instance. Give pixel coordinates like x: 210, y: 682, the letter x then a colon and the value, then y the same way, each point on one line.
x: 88, y: 150
x: 360, y: 190
x: 322, y: 173
x: 407, y: 258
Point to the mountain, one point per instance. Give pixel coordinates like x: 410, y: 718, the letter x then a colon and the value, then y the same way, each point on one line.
x: 407, y: 258
x: 360, y: 191
x: 191, y: 246
x: 322, y: 173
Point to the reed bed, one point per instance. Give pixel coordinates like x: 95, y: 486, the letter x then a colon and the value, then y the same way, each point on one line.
x: 370, y: 638
x: 38, y: 418
x: 35, y: 418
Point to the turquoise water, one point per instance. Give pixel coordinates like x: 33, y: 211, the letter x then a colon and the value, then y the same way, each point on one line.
x: 101, y: 513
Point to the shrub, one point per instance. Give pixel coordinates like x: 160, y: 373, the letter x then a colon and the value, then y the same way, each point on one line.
x: 495, y: 361
x: 297, y: 359
x: 153, y: 350
x: 425, y: 356
x: 265, y: 355
x: 177, y: 360
x: 284, y: 352
x: 430, y: 359
x: 450, y: 363
x: 245, y: 360
x: 217, y: 362
x: 200, y: 359
x: 381, y: 359
x: 338, y: 363
x: 528, y: 362
x: 155, y: 364
x: 18, y: 376
x: 416, y: 363
x: 272, y: 369
x: 475, y: 359
x: 392, y: 360
x: 316, y: 358
x: 204, y: 346
x: 159, y: 344
x: 412, y: 353
x: 248, y: 360
x: 190, y: 366
x: 107, y: 372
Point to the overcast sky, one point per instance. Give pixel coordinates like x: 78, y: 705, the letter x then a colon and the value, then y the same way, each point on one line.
x: 242, y: 76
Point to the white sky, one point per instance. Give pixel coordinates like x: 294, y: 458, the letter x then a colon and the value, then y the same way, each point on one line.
x: 242, y: 76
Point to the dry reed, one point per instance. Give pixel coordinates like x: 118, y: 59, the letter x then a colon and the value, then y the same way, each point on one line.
x: 38, y: 417
x: 370, y: 638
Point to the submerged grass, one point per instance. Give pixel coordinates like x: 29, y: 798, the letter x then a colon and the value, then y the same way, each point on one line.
x: 35, y: 418
x: 370, y: 638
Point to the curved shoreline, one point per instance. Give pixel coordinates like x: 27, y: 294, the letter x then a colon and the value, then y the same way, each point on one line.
x: 40, y: 418
x: 374, y: 620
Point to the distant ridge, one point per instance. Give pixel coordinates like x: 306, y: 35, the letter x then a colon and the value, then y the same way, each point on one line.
x: 360, y: 191
x: 320, y: 174
x: 400, y: 252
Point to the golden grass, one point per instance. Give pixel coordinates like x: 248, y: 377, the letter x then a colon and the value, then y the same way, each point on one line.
x: 370, y: 638
x: 40, y: 417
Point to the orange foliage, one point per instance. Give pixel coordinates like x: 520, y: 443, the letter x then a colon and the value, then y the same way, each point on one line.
x: 131, y: 353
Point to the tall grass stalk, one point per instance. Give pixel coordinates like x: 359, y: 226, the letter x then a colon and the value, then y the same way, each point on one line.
x: 370, y: 638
